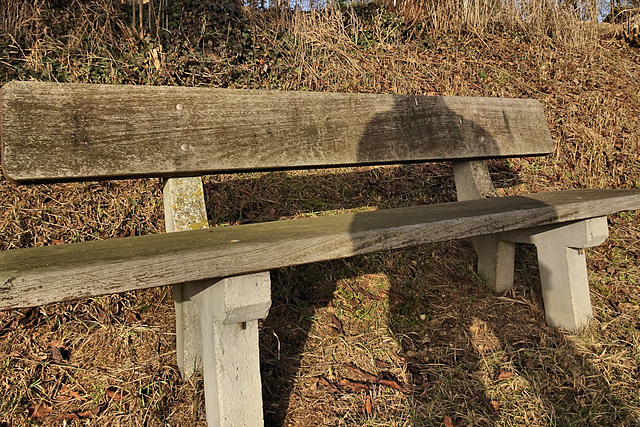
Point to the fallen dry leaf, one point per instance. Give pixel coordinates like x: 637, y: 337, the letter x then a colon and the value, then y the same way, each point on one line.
x: 56, y: 355
x: 68, y: 416
x: 324, y: 382
x: 66, y: 393
x: 132, y: 317
x: 352, y: 385
x: 448, y: 422
x: 368, y: 406
x: 364, y: 374
x: 39, y: 410
x: 392, y: 384
x: 58, y: 351
x: 504, y: 375
x: 90, y: 412
x: 115, y: 394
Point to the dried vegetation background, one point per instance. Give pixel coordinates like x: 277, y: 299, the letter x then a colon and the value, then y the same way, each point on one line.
x: 404, y: 338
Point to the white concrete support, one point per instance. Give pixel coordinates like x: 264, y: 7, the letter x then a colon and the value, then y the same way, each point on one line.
x: 563, y: 267
x: 495, y: 257
x: 231, y: 364
x: 496, y: 260
x: 217, y: 322
x: 184, y: 209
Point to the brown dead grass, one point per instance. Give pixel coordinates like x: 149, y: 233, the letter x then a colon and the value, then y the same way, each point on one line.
x: 419, y: 319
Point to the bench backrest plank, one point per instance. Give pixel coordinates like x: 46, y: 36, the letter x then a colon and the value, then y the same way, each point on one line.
x: 65, y: 132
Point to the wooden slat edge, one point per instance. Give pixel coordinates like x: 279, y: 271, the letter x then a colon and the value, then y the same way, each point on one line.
x: 29, y: 277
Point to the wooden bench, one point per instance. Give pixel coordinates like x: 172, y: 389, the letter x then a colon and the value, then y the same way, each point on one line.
x: 71, y: 132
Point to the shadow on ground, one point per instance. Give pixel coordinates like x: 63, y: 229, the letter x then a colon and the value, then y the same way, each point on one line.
x: 455, y: 348
x: 344, y: 333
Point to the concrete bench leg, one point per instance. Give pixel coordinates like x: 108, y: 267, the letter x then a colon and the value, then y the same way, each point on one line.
x: 184, y: 210
x: 495, y: 256
x: 495, y: 261
x: 229, y: 313
x: 563, y: 268
x: 217, y: 322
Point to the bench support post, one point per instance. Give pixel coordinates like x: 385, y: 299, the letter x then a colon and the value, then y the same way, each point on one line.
x: 184, y: 209
x: 229, y: 312
x: 563, y: 267
x: 217, y: 322
x: 495, y: 261
x: 495, y: 256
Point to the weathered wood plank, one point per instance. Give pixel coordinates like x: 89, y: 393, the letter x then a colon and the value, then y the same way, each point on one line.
x: 56, y: 131
x: 57, y: 273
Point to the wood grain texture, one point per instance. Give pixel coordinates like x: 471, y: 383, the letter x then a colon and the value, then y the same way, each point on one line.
x: 58, y: 132
x: 50, y: 274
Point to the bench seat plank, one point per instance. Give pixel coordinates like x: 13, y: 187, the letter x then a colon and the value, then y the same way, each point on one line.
x: 58, y: 132
x: 58, y: 273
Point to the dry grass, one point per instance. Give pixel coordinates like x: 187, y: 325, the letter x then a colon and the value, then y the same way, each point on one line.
x: 419, y: 319
x: 539, y: 18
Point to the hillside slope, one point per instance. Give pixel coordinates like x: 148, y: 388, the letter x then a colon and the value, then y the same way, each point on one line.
x: 449, y: 350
